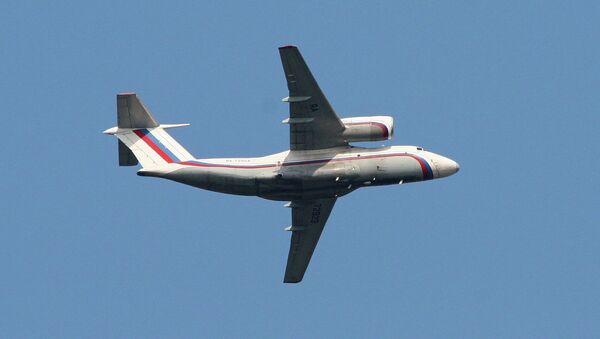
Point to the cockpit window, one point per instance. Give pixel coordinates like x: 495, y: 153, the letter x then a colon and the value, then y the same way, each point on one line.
x: 419, y: 148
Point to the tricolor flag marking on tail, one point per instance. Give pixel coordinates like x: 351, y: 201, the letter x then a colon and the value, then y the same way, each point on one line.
x: 156, y: 145
x: 144, y: 138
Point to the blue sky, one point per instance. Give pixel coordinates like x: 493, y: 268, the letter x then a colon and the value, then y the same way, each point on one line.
x: 508, y: 247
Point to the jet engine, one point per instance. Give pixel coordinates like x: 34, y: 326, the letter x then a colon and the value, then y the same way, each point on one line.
x: 374, y: 128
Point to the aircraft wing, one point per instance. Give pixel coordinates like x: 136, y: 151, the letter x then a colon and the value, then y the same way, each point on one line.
x: 308, y: 220
x: 313, y: 122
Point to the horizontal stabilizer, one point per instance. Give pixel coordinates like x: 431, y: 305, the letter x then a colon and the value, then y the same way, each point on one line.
x: 117, y: 130
x: 126, y: 156
x: 131, y: 112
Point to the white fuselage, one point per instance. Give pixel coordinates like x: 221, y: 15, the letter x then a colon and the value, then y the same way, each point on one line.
x: 293, y: 175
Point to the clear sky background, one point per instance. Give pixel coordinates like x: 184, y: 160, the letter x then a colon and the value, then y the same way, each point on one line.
x: 507, y: 248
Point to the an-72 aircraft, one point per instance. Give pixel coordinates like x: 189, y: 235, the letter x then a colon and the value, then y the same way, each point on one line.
x: 320, y: 166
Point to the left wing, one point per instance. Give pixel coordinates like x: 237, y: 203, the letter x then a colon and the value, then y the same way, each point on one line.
x: 308, y: 220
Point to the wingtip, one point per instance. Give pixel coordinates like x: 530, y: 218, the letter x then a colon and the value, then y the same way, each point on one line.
x: 291, y: 281
x: 288, y: 46
x: 126, y: 93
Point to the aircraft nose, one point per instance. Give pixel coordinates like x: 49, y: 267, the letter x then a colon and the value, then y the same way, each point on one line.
x: 446, y: 167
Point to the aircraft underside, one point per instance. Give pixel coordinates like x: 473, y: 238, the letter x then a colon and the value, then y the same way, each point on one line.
x: 275, y: 188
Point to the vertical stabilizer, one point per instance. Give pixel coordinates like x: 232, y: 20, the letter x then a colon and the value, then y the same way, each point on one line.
x: 141, y: 138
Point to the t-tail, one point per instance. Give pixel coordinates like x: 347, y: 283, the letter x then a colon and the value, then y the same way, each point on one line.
x: 141, y: 138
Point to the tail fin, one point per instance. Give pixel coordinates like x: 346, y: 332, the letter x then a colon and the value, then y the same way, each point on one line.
x: 142, y: 138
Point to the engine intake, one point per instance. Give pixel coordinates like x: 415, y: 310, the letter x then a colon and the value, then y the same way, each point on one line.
x: 374, y: 128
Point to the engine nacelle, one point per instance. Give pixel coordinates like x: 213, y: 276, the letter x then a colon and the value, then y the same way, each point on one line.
x: 375, y: 128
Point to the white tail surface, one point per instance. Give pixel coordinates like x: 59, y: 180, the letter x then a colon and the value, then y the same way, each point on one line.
x: 137, y: 129
x: 153, y: 146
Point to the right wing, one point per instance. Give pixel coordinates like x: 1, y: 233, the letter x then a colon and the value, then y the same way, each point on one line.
x: 313, y: 122
x: 308, y: 220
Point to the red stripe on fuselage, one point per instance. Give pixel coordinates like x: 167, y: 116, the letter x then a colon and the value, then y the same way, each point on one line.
x: 203, y: 164
x: 152, y: 145
x: 312, y: 162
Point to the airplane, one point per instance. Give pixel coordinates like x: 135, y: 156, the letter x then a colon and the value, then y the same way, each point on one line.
x: 320, y: 166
